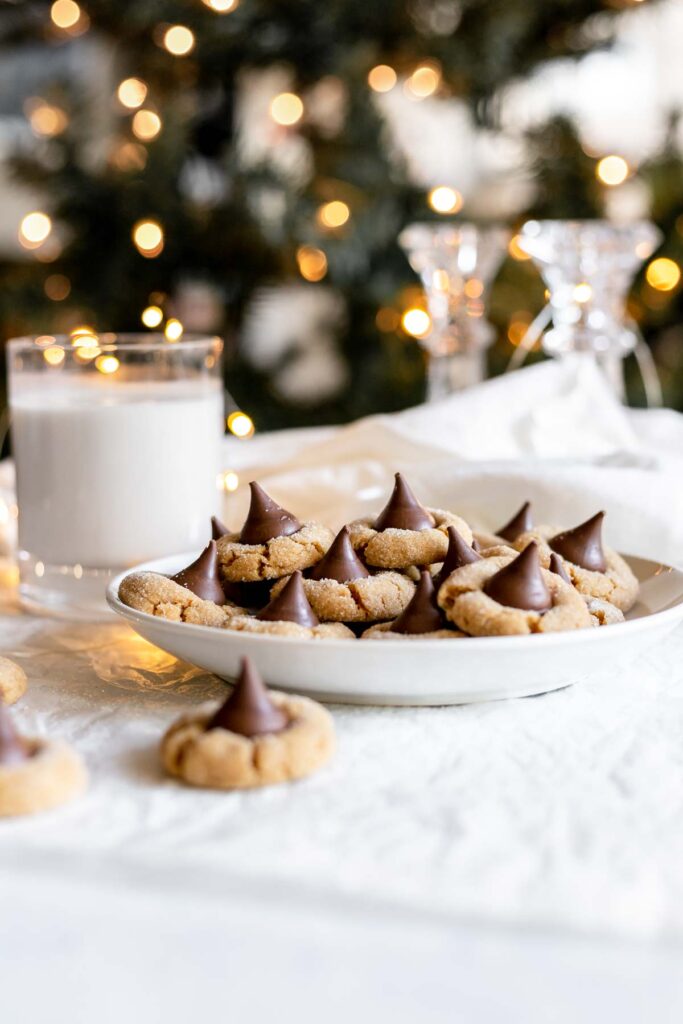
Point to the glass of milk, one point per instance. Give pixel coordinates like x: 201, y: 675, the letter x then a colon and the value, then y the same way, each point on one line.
x: 116, y: 440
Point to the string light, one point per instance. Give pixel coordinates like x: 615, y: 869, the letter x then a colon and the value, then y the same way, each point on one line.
x: 54, y: 355
x: 443, y: 199
x: 57, y: 287
x: 424, y: 81
x: 416, y: 322
x: 65, y: 14
x: 663, y: 274
x: 148, y: 236
x: 107, y: 364
x: 583, y: 292
x: 382, y: 78
x: 173, y: 330
x: 287, y: 108
x: 240, y: 424
x: 152, y: 316
x: 228, y: 481
x: 221, y: 6
x: 333, y: 214
x: 146, y: 125
x: 34, y: 229
x: 612, y: 170
x: 179, y: 40
x: 45, y: 119
x: 86, y: 344
x: 515, y: 249
x: 312, y: 263
x: 131, y: 93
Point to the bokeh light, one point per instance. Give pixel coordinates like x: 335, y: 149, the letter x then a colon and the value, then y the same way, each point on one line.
x: 333, y: 214
x: 424, y: 81
x: 152, y: 316
x: 65, y: 13
x: 146, y: 125
x: 57, y: 287
x: 443, y: 199
x: 45, y: 119
x: 173, y: 331
x: 179, y: 40
x: 132, y: 93
x: 515, y: 249
x: 382, y: 78
x: 54, y: 355
x: 148, y: 236
x: 312, y: 263
x: 663, y: 274
x: 107, y: 364
x: 240, y: 424
x: 416, y: 322
x: 612, y: 170
x: 583, y: 292
x: 287, y: 108
x: 221, y: 6
x: 34, y: 229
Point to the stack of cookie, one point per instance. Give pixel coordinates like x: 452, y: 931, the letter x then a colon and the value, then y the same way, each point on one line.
x: 409, y: 572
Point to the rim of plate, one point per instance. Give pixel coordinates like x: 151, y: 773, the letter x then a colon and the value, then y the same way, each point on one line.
x: 570, y: 636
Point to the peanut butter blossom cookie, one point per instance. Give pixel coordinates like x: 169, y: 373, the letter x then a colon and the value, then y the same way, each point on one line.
x: 341, y: 589
x: 595, y: 570
x: 289, y: 613
x: 602, y: 613
x: 256, y: 738
x: 521, y: 522
x: 405, y: 533
x: 272, y: 542
x: 195, y: 594
x: 12, y: 681
x: 35, y: 774
x: 499, y: 596
x: 422, y: 618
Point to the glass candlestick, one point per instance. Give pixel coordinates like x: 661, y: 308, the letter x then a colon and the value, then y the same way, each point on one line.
x: 588, y: 266
x: 456, y: 263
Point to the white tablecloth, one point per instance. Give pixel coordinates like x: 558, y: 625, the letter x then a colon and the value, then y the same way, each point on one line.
x: 520, y: 859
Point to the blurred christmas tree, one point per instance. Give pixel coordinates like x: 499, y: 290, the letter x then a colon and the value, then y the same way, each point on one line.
x: 228, y: 166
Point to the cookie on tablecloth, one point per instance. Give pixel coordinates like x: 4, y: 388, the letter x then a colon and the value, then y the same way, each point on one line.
x: 12, y: 681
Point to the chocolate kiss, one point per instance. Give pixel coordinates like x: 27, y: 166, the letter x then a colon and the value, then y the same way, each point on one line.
x: 341, y: 563
x: 290, y: 605
x: 403, y: 511
x: 422, y: 614
x: 13, y: 748
x: 218, y: 529
x: 266, y: 519
x: 520, y: 584
x: 249, y: 709
x: 520, y: 523
x: 557, y: 566
x: 583, y: 544
x: 202, y: 576
x: 458, y: 554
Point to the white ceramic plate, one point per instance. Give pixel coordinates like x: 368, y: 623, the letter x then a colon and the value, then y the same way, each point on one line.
x: 420, y: 671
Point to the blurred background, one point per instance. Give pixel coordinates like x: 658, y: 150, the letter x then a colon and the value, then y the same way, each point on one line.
x: 245, y: 167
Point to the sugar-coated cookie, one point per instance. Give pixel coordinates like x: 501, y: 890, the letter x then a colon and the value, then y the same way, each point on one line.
x: 12, y: 681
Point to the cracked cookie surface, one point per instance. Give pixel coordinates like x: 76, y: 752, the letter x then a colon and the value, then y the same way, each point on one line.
x: 603, y: 613
x: 465, y: 603
x: 12, y: 681
x: 369, y: 599
x: 399, y: 549
x: 52, y: 775
x: 220, y: 759
x: 281, y: 556
x: 617, y: 584
x: 158, y: 595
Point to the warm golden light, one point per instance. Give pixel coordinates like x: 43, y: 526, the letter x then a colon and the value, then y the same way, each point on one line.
x: 443, y: 199
x: 152, y: 316
x: 515, y: 249
x: 424, y: 81
x: 312, y: 263
x: 45, y: 120
x: 663, y: 274
x: 57, y: 287
x: 132, y: 92
x: 583, y: 292
x: 240, y: 424
x: 148, y: 237
x: 287, y: 108
x: 107, y: 364
x: 387, y: 319
x: 228, y: 481
x: 34, y: 229
x: 130, y: 156
x: 518, y: 326
x: 416, y: 322
x: 334, y: 214
x: 173, y: 330
x: 54, y: 356
x: 221, y: 6
x: 474, y: 288
x: 612, y: 170
x: 179, y: 40
x: 146, y: 125
x: 65, y: 13
x: 382, y: 78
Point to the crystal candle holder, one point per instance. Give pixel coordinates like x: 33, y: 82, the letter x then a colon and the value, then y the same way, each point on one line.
x: 455, y: 263
x: 588, y: 266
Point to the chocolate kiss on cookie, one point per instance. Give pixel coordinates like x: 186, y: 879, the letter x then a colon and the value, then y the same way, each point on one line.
x: 557, y: 566
x: 458, y: 554
x: 421, y: 614
x: 202, y: 576
x: 249, y: 709
x: 266, y: 519
x: 583, y: 544
x: 520, y: 523
x: 341, y: 563
x: 403, y: 511
x: 520, y: 584
x: 290, y: 605
x: 218, y: 529
x: 13, y: 748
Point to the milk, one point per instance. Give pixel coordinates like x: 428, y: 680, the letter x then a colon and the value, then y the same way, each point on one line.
x: 110, y: 473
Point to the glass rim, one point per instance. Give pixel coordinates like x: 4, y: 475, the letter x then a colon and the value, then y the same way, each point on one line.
x: 110, y: 341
